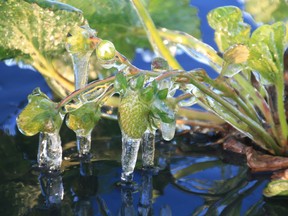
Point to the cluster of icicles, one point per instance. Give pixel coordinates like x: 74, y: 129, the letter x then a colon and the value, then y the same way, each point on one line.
x: 50, y: 150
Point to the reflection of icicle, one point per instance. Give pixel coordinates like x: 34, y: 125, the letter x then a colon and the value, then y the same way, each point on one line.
x: 145, y: 202
x: 165, y: 211
x: 127, y: 207
x: 83, y: 144
x: 130, y: 149
x: 168, y: 130
x: 52, y: 188
x: 148, y: 148
x: 50, y: 151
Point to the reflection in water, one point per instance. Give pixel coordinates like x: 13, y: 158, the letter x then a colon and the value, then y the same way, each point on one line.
x: 52, y: 189
x: 146, y: 195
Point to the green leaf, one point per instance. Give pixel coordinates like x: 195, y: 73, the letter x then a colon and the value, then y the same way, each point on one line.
x: 147, y: 94
x: 164, y: 116
x: 40, y: 115
x: 140, y: 81
x: 276, y: 188
x: 30, y: 32
x: 235, y: 58
x: 84, y: 119
x: 267, y: 50
x: 229, y: 27
x: 121, y: 83
x: 115, y: 20
x: 162, y: 94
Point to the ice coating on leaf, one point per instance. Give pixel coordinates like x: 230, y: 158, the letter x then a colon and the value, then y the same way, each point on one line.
x: 148, y: 148
x: 130, y: 147
x: 168, y: 130
x: 276, y: 188
x: 50, y: 151
x: 229, y: 27
x: 159, y: 65
x: 40, y: 115
x: 133, y: 115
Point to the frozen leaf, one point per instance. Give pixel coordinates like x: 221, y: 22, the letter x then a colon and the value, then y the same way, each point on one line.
x: 235, y: 59
x: 83, y: 120
x: 30, y: 31
x: 162, y: 94
x: 133, y: 115
x: 40, y: 115
x: 267, y: 50
x: 115, y: 20
x: 229, y: 27
x: 140, y: 81
x: 121, y: 83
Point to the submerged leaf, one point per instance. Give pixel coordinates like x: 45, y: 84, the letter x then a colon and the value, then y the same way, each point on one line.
x: 40, y: 115
x: 229, y: 27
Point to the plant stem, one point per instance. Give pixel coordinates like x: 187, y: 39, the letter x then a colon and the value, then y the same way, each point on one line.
x: 153, y: 35
x: 281, y: 111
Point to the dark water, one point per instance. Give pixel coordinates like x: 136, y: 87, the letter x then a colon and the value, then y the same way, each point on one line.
x: 192, y: 178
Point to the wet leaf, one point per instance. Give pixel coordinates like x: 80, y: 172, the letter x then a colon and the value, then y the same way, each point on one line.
x: 121, y: 83
x: 229, y: 27
x: 84, y: 119
x: 162, y: 94
x: 267, y: 50
x: 40, y: 115
x: 140, y: 81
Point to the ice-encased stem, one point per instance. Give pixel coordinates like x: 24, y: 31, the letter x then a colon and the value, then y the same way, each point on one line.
x: 145, y: 202
x: 130, y: 149
x: 80, y: 66
x: 148, y: 149
x: 83, y: 144
x: 50, y: 151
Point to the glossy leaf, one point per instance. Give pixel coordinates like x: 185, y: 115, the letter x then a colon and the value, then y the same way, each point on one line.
x: 276, y: 188
x: 115, y: 20
x: 40, y: 115
x: 121, y: 83
x: 29, y: 30
x: 162, y: 94
x: 229, y: 27
x: 140, y: 81
x: 267, y: 50
x: 84, y: 119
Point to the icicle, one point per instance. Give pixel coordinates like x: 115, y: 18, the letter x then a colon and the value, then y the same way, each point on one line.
x: 130, y: 149
x: 148, y: 149
x: 83, y: 144
x: 50, y: 151
x: 145, y: 202
x: 168, y: 130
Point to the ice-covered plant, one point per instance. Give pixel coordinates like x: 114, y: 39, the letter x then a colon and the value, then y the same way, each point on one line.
x: 248, y: 93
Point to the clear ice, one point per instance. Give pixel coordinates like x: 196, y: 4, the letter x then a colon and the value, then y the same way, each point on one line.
x: 130, y: 149
x: 168, y: 130
x: 148, y: 149
x: 83, y: 144
x: 50, y: 151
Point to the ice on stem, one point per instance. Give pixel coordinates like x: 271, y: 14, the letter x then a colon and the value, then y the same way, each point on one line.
x: 145, y: 202
x: 50, y: 151
x: 148, y: 149
x: 83, y: 144
x: 130, y: 149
